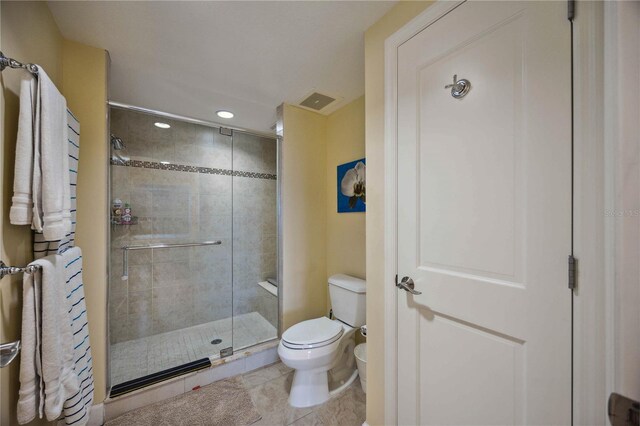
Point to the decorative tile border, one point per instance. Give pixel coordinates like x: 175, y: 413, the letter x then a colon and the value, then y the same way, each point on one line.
x: 190, y: 169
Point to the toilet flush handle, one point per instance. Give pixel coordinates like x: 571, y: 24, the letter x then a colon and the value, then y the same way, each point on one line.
x: 408, y: 285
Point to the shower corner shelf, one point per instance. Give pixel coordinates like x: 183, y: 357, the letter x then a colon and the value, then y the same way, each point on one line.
x: 134, y: 221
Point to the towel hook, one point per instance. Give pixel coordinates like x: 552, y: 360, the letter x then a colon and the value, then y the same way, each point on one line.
x: 459, y: 88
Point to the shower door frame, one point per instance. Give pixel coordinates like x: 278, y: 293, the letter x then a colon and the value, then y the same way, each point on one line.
x: 277, y: 136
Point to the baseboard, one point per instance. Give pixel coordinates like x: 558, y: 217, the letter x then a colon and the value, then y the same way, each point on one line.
x: 96, y: 415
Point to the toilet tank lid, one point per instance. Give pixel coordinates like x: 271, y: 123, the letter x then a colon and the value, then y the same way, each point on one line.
x: 347, y: 282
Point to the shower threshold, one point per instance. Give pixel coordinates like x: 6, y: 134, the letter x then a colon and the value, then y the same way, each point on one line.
x: 161, y: 376
x: 142, y: 362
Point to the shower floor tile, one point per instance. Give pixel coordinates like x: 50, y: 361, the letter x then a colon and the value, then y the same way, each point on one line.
x: 137, y: 358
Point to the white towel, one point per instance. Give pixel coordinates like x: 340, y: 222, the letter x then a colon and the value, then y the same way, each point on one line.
x: 42, y: 247
x: 47, y: 149
x: 76, y: 407
x: 60, y: 379
x: 22, y: 202
x: 31, y: 393
x: 54, y: 162
x: 49, y: 326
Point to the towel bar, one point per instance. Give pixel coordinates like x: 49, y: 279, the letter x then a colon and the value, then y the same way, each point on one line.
x: 8, y: 352
x: 161, y: 246
x: 125, y: 252
x: 11, y: 270
x: 12, y: 63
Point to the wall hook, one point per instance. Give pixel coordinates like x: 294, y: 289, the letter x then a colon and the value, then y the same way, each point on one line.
x: 459, y: 88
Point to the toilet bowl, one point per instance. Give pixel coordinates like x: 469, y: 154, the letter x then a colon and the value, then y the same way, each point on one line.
x: 320, y: 350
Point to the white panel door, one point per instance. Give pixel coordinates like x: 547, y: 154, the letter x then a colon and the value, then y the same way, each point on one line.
x: 484, y: 218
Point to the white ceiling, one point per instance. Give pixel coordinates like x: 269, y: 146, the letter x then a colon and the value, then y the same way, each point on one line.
x: 194, y: 58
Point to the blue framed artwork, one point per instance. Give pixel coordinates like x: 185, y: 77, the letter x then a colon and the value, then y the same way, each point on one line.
x: 352, y: 186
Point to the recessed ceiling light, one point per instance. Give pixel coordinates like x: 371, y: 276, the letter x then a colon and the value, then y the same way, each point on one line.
x: 224, y: 114
x: 165, y: 162
x: 161, y: 125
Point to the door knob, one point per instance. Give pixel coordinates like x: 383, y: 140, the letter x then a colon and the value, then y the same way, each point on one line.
x: 623, y: 411
x: 407, y: 284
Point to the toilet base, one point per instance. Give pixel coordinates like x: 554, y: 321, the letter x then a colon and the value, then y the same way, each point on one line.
x: 344, y: 385
x: 309, y: 388
x: 312, y: 388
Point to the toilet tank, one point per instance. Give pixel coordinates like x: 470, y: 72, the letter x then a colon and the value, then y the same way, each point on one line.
x: 348, y: 299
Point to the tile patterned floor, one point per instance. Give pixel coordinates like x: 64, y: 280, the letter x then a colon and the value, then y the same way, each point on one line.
x: 140, y: 357
x: 269, y: 388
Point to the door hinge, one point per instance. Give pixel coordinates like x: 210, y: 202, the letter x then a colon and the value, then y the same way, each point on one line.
x: 572, y: 272
x: 571, y: 9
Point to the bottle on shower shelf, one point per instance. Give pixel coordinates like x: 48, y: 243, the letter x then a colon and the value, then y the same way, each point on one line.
x: 127, y: 218
x: 116, y: 211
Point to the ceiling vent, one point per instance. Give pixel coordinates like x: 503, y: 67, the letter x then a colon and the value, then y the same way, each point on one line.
x: 320, y: 102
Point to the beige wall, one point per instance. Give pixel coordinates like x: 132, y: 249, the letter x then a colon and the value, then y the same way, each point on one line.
x: 375, y: 37
x: 28, y: 34
x: 345, y: 231
x: 317, y: 241
x: 85, y: 87
x: 303, y: 218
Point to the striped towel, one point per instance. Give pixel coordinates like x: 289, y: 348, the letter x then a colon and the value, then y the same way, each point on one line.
x: 42, y: 247
x: 76, y: 409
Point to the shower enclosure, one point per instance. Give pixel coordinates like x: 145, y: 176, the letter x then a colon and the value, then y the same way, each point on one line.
x: 193, y: 263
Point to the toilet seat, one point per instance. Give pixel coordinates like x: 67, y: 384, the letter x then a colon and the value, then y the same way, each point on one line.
x: 311, y: 334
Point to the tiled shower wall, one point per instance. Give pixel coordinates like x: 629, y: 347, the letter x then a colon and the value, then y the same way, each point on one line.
x: 254, y: 226
x: 180, y: 185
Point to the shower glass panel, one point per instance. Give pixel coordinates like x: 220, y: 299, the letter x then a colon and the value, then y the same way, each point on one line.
x: 215, y: 191
x: 255, y: 309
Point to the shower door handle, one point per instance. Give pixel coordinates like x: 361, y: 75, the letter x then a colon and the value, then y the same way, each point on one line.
x: 125, y: 252
x: 407, y: 284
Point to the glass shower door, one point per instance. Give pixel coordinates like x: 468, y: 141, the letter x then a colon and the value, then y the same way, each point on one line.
x: 171, y: 185
x: 193, y: 265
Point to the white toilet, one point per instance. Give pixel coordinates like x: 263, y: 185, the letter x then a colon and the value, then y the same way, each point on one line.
x: 321, y: 350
